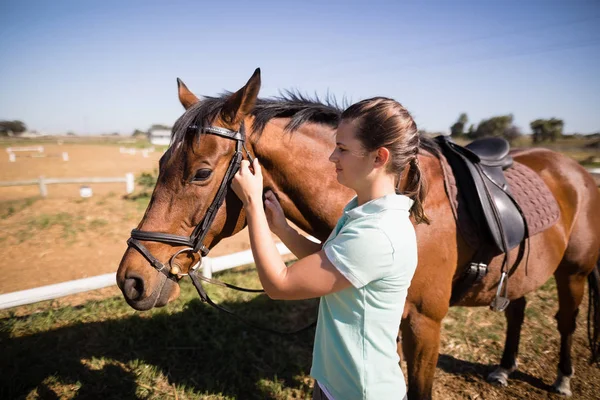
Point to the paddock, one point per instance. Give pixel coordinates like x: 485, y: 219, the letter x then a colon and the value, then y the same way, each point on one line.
x: 70, y: 238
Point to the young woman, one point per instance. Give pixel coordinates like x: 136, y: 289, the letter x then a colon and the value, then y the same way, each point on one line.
x: 363, y: 271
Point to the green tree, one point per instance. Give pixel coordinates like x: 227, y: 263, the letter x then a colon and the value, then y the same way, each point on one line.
x: 139, y: 133
x: 471, y: 131
x: 512, y: 133
x: 546, y: 129
x: 458, y: 128
x: 493, y: 127
x: 15, y: 127
x: 160, y: 126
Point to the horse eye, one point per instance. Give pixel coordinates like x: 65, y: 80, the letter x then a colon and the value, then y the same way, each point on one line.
x: 202, y: 174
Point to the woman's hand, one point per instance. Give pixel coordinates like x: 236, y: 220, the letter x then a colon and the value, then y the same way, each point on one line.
x: 275, y: 215
x: 248, y: 185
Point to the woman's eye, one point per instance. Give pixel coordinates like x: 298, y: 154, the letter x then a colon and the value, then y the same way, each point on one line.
x: 202, y: 174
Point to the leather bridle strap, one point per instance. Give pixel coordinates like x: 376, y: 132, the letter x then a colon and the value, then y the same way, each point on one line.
x: 201, y: 230
x: 195, y: 240
x: 160, y: 267
x: 206, y: 299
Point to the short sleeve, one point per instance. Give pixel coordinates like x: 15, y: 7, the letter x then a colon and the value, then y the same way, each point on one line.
x: 361, y: 254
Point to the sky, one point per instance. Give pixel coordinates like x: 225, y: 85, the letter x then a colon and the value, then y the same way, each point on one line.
x: 93, y: 67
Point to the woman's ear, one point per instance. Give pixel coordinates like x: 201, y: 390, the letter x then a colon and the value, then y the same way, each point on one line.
x: 382, y: 157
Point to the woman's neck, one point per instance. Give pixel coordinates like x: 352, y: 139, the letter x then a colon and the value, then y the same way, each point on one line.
x: 382, y: 186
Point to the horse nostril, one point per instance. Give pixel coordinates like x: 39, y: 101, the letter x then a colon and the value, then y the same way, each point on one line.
x: 133, y: 288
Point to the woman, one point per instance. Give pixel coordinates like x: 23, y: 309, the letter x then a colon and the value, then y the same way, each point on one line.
x: 363, y: 271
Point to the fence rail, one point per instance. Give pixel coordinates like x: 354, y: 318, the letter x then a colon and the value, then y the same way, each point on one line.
x: 42, y: 181
x: 209, y: 264
x: 49, y: 292
x: 595, y: 173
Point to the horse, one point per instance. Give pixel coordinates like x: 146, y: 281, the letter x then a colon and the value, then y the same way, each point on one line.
x: 191, y: 210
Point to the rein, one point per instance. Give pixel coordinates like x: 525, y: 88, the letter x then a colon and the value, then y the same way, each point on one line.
x: 194, y: 242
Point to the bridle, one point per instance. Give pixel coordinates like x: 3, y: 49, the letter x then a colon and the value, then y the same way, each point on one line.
x: 194, y: 242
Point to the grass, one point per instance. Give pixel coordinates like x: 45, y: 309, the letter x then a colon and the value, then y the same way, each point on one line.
x: 104, y: 349
x: 69, y: 224
x: 187, y: 350
x: 9, y: 208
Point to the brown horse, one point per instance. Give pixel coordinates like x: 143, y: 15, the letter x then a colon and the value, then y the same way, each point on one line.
x: 293, y: 138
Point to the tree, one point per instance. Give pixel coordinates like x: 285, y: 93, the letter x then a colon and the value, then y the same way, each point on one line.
x: 159, y: 127
x: 12, y: 127
x: 139, y: 133
x: 458, y: 128
x: 546, y: 129
x: 493, y: 127
x: 512, y: 133
x: 471, y: 131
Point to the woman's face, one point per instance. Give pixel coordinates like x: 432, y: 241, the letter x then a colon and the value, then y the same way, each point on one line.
x: 352, y: 162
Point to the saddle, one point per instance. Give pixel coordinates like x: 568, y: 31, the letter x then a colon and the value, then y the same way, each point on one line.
x: 478, y: 169
x: 479, y: 172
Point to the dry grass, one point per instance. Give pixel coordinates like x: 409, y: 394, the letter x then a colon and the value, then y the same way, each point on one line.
x: 104, y: 349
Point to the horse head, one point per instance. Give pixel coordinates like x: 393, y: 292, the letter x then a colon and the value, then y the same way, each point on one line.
x: 191, y: 209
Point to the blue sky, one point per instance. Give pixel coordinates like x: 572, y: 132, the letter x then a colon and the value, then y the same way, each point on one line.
x: 110, y: 66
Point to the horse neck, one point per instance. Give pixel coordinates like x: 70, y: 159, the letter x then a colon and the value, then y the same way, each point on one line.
x: 297, y: 169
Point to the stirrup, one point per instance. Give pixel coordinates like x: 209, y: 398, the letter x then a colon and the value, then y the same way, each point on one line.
x: 500, y: 302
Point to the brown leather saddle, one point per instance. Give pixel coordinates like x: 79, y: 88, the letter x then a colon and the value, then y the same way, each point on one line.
x: 479, y: 172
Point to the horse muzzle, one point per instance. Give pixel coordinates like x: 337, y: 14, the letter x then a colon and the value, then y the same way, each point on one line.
x: 143, y: 294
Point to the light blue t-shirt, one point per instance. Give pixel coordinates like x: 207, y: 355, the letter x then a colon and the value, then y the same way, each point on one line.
x: 374, y: 246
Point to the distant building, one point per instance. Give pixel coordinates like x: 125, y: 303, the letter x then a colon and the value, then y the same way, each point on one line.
x: 31, y: 134
x: 160, y: 137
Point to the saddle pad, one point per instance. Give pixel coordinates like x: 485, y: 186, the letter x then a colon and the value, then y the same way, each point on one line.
x: 529, y: 190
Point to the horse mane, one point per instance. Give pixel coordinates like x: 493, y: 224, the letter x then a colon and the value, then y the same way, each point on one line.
x: 299, y: 108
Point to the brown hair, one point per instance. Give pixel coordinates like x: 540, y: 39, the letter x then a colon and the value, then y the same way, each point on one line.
x: 383, y: 122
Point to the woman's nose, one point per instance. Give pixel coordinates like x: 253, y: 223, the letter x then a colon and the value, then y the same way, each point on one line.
x: 333, y: 156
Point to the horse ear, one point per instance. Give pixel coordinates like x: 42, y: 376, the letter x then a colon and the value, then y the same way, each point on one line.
x: 186, y: 97
x: 241, y: 103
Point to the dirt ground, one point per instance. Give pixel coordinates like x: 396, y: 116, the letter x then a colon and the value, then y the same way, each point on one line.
x: 65, y: 237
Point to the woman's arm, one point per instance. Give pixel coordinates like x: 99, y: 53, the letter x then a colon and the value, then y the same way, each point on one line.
x: 313, y: 276
x: 298, y: 244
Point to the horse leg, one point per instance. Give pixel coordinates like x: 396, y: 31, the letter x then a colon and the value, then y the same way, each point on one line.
x: 570, y: 293
x: 420, y: 344
x: 515, y: 313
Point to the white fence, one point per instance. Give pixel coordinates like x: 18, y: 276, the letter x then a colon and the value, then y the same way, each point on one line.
x: 209, y: 265
x: 42, y: 181
x: 38, y: 152
x: 39, y: 149
x: 133, y: 151
x: 12, y: 157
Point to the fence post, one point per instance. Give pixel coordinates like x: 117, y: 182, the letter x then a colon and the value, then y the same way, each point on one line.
x: 206, y: 267
x: 129, y: 182
x: 43, y: 188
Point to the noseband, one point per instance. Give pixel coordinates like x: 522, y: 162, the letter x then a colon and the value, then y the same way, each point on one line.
x: 194, y: 242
